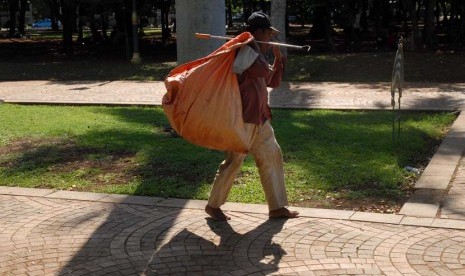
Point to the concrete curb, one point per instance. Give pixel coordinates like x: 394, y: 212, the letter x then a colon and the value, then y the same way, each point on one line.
x: 437, y: 177
x: 398, y: 219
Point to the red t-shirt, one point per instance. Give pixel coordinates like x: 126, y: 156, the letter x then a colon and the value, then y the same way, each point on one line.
x: 253, y: 83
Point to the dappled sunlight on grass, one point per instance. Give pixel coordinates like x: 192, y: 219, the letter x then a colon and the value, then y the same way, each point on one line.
x: 354, y: 150
x: 126, y: 150
x: 374, y: 67
x: 85, y: 70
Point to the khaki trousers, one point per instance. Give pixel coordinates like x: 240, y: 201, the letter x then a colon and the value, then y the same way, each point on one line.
x: 269, y: 160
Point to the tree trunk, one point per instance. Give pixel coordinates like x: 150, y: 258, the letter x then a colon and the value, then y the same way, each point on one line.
x: 22, y: 16
x: 68, y: 15
x: 378, y: 21
x: 327, y: 26
x: 13, y: 7
x: 54, y: 14
x: 364, y: 17
x: 453, y: 11
x: 302, y: 16
x: 348, y: 26
x: 165, y: 29
x: 414, y: 36
x: 429, y: 24
x: 317, y: 30
x: 80, y: 28
x: 104, y: 24
x: 437, y: 14
x: 461, y: 31
x: 247, y: 11
x: 81, y: 19
x: 322, y: 24
x: 263, y: 5
x: 229, y: 15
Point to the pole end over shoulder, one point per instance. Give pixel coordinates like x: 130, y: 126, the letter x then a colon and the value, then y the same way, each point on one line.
x: 202, y: 36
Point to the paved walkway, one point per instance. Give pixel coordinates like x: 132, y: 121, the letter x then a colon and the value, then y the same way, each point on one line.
x: 47, y: 232
x: 417, y: 96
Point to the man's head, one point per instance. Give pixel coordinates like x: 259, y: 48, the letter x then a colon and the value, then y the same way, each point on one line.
x: 259, y: 26
x: 259, y: 20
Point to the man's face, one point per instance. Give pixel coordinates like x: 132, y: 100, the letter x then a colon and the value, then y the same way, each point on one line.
x: 265, y: 35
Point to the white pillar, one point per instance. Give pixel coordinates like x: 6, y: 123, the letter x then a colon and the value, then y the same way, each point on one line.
x: 206, y: 16
x: 278, y: 20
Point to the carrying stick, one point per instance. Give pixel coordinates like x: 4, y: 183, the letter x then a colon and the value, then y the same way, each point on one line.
x: 209, y: 36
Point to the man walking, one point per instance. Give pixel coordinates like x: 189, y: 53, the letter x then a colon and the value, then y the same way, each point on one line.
x: 254, y: 76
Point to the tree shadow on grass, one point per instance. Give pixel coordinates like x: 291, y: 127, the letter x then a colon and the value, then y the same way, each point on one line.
x: 346, y: 150
x: 172, y: 167
x: 352, y: 151
x: 74, y: 163
x: 148, y: 156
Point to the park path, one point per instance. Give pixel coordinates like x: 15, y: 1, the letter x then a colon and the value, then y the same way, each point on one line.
x: 48, y: 232
x: 417, y: 96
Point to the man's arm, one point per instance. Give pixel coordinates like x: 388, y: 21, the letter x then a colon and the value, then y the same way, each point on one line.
x: 274, y: 79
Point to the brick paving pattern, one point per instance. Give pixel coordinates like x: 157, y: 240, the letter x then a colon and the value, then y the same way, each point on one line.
x: 47, y: 236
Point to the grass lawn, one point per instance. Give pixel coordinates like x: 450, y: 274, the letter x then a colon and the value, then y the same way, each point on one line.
x: 332, y: 158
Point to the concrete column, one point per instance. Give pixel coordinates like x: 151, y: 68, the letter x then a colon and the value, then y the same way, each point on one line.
x: 278, y: 20
x: 206, y: 16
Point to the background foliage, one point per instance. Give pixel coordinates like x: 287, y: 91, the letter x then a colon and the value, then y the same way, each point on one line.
x: 431, y: 24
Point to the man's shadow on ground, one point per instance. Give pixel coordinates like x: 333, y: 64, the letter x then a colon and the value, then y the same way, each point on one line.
x: 234, y: 253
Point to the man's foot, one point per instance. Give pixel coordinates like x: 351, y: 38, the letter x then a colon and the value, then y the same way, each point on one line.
x: 283, y: 213
x: 216, y: 214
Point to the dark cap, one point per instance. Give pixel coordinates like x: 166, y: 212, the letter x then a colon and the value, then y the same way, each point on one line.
x: 260, y: 20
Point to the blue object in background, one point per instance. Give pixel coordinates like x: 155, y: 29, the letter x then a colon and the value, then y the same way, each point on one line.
x: 42, y: 24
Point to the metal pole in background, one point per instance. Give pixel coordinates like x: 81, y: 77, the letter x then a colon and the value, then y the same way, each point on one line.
x: 135, y: 38
x: 397, y: 83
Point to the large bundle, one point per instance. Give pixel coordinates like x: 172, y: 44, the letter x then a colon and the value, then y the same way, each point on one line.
x: 203, y: 102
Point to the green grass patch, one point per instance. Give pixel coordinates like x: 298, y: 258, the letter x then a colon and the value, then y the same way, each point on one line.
x: 85, y: 70
x: 125, y: 150
x: 105, y: 63
x: 373, y: 67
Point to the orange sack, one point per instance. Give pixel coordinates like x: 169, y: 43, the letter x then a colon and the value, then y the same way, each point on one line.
x: 203, y: 102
